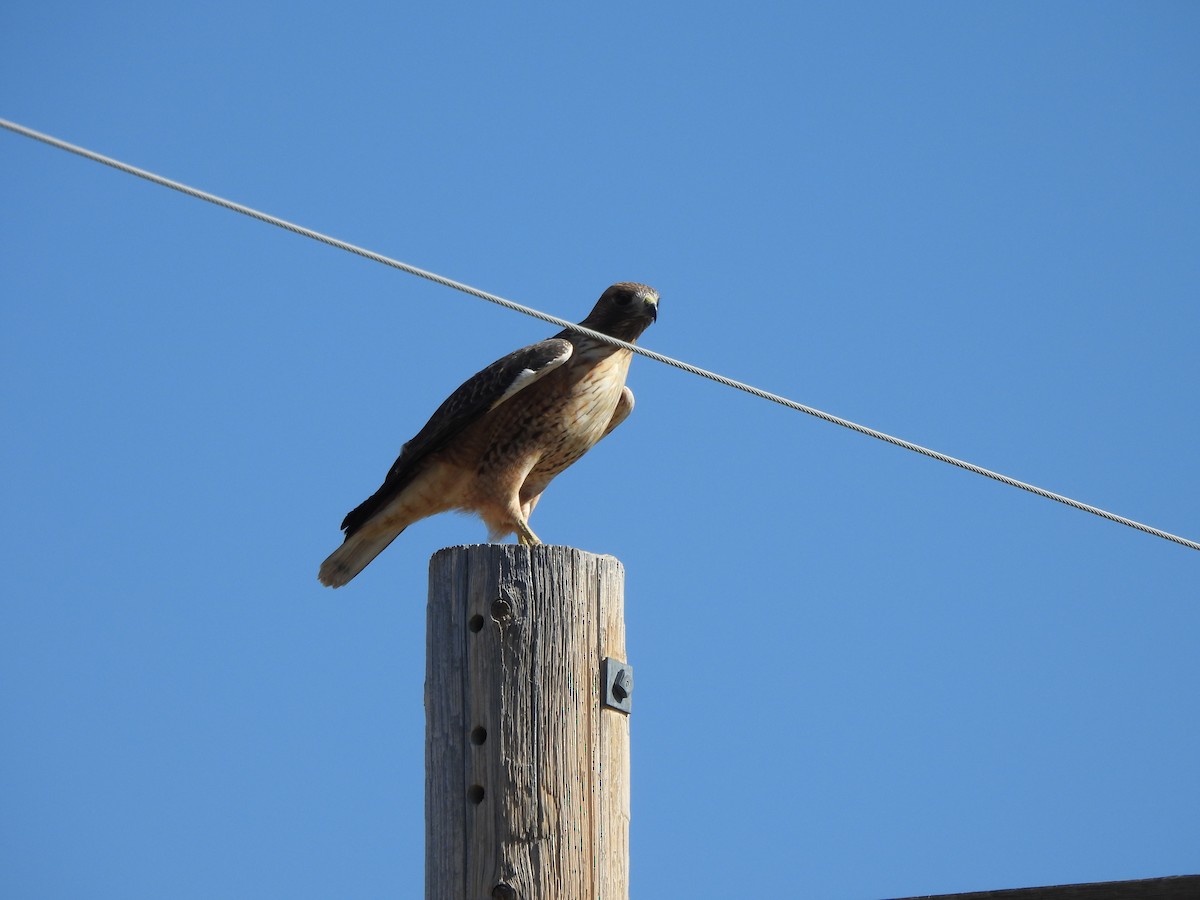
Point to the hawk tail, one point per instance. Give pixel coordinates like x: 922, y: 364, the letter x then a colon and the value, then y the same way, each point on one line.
x: 352, y: 557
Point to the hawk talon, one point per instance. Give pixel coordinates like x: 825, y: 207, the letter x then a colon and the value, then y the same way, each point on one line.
x: 525, y: 536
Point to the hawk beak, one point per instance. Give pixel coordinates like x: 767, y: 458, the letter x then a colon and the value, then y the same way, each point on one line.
x: 653, y: 309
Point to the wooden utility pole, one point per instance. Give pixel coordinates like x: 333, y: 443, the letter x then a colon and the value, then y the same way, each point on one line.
x: 526, y: 740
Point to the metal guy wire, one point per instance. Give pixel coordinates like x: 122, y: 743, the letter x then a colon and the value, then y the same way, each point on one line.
x: 563, y: 323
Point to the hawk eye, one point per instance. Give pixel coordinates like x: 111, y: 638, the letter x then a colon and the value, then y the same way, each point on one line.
x: 624, y: 299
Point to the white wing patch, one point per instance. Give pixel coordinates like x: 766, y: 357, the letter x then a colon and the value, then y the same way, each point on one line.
x: 526, y: 377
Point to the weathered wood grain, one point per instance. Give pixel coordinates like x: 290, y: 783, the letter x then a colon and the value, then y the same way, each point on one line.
x: 527, y: 774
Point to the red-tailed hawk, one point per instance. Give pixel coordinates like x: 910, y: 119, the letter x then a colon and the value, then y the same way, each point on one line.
x: 499, y: 439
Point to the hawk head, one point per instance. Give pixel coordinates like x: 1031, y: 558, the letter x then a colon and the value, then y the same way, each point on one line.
x: 624, y: 311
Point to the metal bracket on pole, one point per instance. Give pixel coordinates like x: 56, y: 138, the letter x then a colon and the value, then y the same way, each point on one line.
x: 616, y: 680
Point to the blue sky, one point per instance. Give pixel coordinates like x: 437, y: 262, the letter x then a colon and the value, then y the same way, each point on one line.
x: 976, y: 226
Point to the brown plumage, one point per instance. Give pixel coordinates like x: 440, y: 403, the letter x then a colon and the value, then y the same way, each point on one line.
x: 495, y: 444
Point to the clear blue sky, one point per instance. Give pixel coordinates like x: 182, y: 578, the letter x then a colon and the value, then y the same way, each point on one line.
x: 976, y: 226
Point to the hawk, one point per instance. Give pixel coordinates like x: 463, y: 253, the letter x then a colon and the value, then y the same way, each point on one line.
x: 495, y: 444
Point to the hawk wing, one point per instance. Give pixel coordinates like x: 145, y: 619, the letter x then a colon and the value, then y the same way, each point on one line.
x: 477, y: 396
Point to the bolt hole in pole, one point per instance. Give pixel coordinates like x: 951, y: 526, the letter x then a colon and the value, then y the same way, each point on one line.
x: 478, y: 735
x: 504, y: 891
x: 475, y: 793
x: 476, y: 623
